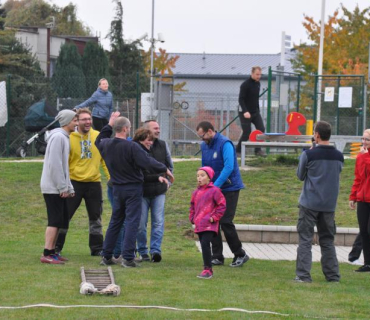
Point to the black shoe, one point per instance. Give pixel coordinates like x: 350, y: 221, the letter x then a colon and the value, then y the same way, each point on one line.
x: 217, y: 262
x: 301, y: 280
x: 107, y: 262
x: 97, y: 253
x: 156, y: 257
x: 145, y: 257
x: 129, y: 263
x: 364, y: 268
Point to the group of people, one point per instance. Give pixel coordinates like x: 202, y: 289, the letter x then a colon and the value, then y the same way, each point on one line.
x: 140, y: 171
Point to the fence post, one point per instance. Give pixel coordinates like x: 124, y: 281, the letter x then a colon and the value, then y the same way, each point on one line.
x: 298, y: 91
x: 8, y: 96
x: 315, y: 98
x: 269, y: 82
x: 137, y: 101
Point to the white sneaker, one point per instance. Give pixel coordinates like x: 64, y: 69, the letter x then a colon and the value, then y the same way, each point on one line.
x: 357, y: 262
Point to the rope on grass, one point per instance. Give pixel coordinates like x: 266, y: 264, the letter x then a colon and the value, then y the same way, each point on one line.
x: 45, y: 305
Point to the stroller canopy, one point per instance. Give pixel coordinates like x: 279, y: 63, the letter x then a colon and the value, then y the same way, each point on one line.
x: 39, y: 115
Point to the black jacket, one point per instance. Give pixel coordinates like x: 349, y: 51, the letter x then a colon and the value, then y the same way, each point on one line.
x: 125, y: 159
x: 152, y: 187
x: 249, y: 96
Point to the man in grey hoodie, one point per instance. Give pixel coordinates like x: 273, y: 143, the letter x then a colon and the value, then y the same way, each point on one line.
x: 55, y: 183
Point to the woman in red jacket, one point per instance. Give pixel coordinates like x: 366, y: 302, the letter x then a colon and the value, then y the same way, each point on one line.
x: 207, y: 206
x: 360, y: 194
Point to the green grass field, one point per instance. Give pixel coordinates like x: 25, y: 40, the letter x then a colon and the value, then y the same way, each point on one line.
x: 270, y: 197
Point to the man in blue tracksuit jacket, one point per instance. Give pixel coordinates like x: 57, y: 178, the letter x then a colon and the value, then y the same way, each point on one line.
x: 218, y: 152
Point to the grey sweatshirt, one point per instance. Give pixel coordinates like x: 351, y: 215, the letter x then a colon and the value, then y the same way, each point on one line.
x: 320, y: 168
x: 55, y: 172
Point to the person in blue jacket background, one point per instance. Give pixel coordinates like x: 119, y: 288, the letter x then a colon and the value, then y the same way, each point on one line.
x: 218, y: 152
x: 102, y: 102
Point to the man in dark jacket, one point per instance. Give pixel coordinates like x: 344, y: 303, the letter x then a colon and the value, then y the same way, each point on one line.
x: 125, y: 161
x: 319, y: 168
x: 249, y: 111
x: 154, y: 199
x: 218, y: 152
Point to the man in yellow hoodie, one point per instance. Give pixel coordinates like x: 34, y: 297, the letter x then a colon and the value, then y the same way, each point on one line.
x: 84, y: 170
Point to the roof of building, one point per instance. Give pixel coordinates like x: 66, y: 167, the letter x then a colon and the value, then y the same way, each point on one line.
x: 227, y: 64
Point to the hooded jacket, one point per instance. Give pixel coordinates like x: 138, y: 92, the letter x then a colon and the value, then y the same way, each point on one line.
x: 85, y: 158
x: 207, y: 202
x: 102, y: 101
x: 361, y: 185
x: 55, y: 172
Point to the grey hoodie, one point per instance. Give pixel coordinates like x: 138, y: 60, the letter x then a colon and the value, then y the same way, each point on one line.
x: 55, y: 172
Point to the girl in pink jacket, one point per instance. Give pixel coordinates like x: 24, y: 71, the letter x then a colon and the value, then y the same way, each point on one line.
x: 207, y: 206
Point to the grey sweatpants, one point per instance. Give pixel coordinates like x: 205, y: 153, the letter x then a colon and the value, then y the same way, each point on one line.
x: 326, y: 231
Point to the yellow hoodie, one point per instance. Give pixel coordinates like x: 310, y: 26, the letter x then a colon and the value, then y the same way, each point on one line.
x: 85, y: 158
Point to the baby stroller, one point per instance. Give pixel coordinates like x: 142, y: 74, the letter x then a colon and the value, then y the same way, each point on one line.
x: 40, y: 117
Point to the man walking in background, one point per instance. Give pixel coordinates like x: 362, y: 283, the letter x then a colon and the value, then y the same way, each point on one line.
x: 249, y: 111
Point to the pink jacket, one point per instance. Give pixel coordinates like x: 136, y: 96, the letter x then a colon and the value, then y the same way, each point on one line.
x: 206, y: 202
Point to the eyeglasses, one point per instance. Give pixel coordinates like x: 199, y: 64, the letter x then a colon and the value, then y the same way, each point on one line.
x: 365, y: 139
x: 84, y: 120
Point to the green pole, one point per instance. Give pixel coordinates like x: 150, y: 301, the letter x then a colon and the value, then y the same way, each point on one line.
x: 8, y: 93
x: 268, y: 120
x: 315, y: 99
x: 338, y: 106
x: 137, y: 100
x: 298, y: 92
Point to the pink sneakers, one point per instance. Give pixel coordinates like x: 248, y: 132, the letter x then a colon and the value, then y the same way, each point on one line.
x: 206, y: 274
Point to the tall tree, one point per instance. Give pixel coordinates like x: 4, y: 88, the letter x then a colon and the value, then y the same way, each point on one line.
x: 125, y: 59
x: 68, y: 79
x: 95, y: 65
x: 39, y: 13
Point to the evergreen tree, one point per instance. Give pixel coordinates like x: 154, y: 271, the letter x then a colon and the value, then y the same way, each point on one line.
x: 95, y: 65
x: 125, y: 59
x: 68, y: 79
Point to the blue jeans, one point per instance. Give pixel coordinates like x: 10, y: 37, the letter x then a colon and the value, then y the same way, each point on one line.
x: 127, y: 201
x: 156, y: 206
x: 118, y: 248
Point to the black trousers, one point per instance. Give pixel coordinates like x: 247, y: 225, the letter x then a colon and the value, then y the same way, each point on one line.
x: 205, y: 239
x: 228, y: 227
x: 356, y: 249
x: 99, y: 123
x: 91, y: 192
x: 363, y: 217
x: 246, y: 125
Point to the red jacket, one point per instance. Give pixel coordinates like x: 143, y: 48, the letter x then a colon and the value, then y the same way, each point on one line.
x: 207, y: 201
x: 361, y: 185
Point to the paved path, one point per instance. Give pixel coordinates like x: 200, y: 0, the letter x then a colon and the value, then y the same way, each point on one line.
x: 273, y: 251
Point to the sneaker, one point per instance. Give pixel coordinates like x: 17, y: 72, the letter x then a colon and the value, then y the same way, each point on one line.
x: 356, y: 263
x: 60, y: 258
x: 364, y: 268
x: 107, y: 262
x: 206, y: 274
x: 156, y: 257
x: 50, y: 260
x: 301, y: 280
x: 260, y: 153
x: 239, y: 261
x: 129, y: 263
x: 117, y: 260
x: 145, y: 257
x: 97, y: 253
x: 217, y: 262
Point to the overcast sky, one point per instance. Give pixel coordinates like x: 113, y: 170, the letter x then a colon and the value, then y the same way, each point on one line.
x: 211, y: 26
